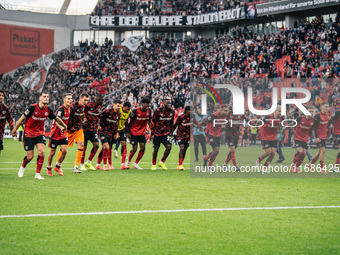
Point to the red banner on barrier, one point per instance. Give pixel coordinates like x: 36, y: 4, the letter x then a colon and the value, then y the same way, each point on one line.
x: 22, y: 45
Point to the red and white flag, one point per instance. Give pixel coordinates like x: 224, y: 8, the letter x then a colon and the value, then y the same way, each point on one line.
x: 101, y: 86
x: 70, y: 65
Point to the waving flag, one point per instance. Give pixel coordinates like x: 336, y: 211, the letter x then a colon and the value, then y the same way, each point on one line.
x: 101, y: 86
x: 132, y: 42
x: 71, y: 66
x: 34, y: 82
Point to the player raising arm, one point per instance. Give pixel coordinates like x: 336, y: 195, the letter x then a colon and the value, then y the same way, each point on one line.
x: 58, y: 137
x: 34, y: 132
x: 5, y: 115
x: 139, y: 119
x: 183, y: 123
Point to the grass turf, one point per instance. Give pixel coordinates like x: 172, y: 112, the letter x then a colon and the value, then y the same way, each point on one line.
x: 293, y: 231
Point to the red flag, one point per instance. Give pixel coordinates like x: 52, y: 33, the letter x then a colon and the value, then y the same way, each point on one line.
x: 71, y: 66
x: 101, y: 86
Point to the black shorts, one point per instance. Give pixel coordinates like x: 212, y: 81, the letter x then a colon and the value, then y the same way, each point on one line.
x: 245, y: 137
x: 183, y: 141
x: 337, y: 139
x: 54, y: 143
x: 232, y: 141
x: 30, y: 142
x: 213, y: 141
x: 122, y: 135
x: 322, y: 143
x: 299, y: 144
x: 137, y: 139
x: 269, y: 144
x: 1, y: 145
x: 105, y: 139
x: 163, y: 139
x: 91, y: 136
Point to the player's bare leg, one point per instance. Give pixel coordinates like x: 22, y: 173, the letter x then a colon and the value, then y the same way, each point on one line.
x: 271, y: 157
x: 298, y: 159
x: 337, y: 162
x: 49, y: 162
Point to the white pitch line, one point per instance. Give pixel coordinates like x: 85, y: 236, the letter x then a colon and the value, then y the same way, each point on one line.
x: 171, y: 211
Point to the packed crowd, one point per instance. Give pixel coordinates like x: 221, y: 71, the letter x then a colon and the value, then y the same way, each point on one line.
x: 155, y: 8
x: 162, y: 68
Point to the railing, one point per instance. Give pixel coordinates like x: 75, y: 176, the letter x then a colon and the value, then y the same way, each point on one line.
x: 43, y: 9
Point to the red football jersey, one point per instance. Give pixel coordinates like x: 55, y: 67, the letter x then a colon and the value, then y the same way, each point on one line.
x: 5, y: 115
x: 321, y: 123
x: 75, y: 122
x: 162, y: 121
x: 303, y: 128
x: 138, y: 121
x: 217, y: 130
x: 63, y: 114
x: 35, y: 122
x: 92, y: 112
x: 336, y: 118
x: 183, y: 123
x: 270, y: 128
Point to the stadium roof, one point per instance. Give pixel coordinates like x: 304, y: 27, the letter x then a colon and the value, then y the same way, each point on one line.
x: 70, y: 7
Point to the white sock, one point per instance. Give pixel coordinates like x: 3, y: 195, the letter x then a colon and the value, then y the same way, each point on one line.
x: 75, y: 167
x: 161, y: 162
x: 97, y: 164
x: 58, y: 164
x: 88, y: 161
x: 81, y: 165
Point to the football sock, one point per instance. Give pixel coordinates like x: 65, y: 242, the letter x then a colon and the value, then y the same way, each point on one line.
x: 100, y: 157
x: 132, y: 153
x: 212, y: 159
x: 163, y: 159
x: 109, y: 156
x: 321, y: 165
x: 124, y: 154
x: 25, y: 162
x: 139, y: 157
x: 313, y: 161
x: 92, y: 154
x: 337, y: 159
x: 301, y: 158
x: 154, y: 160
x: 58, y: 164
x: 82, y: 159
x: 40, y: 162
x: 228, y: 159
x: 233, y: 159
x: 105, y: 154
x: 296, y: 158
x: 49, y: 167
x: 208, y: 156
x: 78, y: 156
x: 180, y: 161
x: 266, y: 164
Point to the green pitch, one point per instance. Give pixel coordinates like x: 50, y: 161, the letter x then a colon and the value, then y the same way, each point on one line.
x: 287, y: 231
